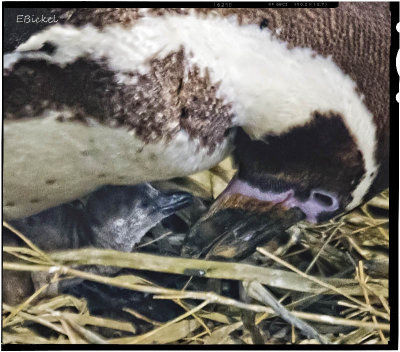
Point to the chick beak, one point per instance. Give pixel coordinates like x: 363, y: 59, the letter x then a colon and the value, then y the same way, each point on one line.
x: 236, y: 224
x: 170, y: 202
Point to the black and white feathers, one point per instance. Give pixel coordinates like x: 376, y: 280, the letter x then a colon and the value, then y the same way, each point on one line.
x: 131, y: 95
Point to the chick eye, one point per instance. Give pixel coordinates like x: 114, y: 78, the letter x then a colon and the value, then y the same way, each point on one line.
x: 144, y: 204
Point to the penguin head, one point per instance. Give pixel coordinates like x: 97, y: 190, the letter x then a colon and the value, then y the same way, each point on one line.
x: 311, y: 172
x: 317, y: 167
x: 119, y: 216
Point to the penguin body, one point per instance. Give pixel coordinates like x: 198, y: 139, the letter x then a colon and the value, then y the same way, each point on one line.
x: 79, y: 158
x: 115, y: 217
x: 130, y: 95
x: 111, y: 217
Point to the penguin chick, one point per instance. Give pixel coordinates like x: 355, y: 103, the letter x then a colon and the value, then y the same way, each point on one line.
x: 114, y: 217
x: 119, y: 216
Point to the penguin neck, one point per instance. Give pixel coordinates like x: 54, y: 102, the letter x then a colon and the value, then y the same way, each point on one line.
x: 271, y: 88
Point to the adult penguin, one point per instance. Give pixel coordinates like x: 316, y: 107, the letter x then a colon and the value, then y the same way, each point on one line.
x: 122, y: 96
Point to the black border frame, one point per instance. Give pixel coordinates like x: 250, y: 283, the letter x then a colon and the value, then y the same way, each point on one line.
x: 393, y: 180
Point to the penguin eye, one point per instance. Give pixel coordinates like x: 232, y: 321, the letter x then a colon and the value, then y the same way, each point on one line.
x: 323, y: 199
x: 144, y: 203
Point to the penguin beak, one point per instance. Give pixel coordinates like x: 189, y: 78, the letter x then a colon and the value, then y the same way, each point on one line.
x: 170, y: 202
x: 236, y: 225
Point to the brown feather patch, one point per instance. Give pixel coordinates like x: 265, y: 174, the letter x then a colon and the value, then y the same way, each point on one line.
x: 157, y: 106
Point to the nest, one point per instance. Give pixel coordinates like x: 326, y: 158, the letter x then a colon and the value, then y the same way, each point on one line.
x: 324, y: 284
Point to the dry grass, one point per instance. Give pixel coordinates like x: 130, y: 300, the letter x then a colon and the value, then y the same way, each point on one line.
x: 327, y: 284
